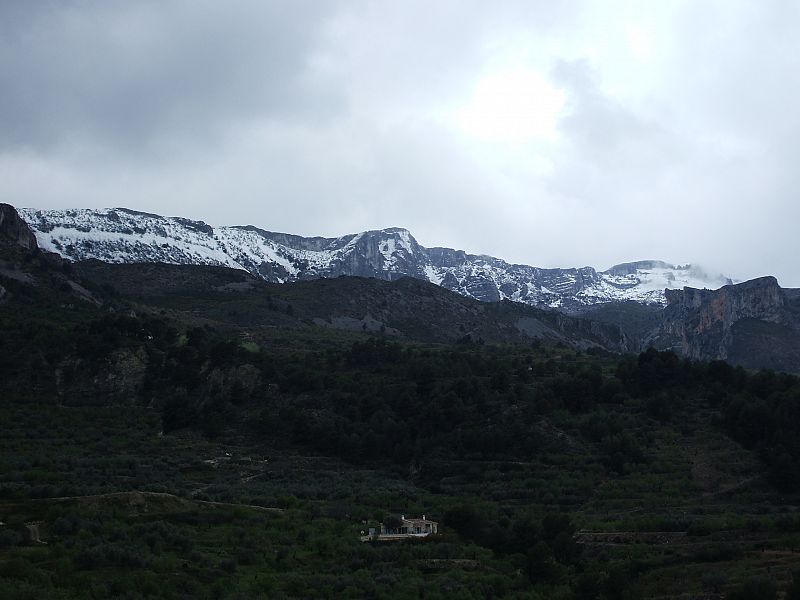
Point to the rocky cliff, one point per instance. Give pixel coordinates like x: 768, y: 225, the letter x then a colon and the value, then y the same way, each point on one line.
x: 754, y: 323
x: 14, y: 230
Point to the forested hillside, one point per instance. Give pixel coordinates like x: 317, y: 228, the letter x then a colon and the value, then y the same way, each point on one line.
x: 206, y: 437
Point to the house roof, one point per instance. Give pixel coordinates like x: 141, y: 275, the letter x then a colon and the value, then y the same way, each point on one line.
x: 418, y: 521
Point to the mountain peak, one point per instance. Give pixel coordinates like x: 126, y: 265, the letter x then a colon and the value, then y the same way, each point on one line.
x: 639, y: 265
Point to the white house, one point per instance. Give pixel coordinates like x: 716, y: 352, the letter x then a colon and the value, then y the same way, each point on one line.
x: 404, y: 529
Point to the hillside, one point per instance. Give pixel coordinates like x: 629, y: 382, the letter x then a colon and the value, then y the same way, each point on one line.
x: 184, y: 430
x: 406, y: 308
x: 193, y: 430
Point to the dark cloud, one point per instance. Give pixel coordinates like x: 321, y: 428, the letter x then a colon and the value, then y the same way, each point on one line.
x: 127, y: 75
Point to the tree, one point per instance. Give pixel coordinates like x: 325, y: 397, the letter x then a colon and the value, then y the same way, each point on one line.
x: 542, y: 566
x: 793, y: 592
x: 756, y: 588
x: 392, y: 522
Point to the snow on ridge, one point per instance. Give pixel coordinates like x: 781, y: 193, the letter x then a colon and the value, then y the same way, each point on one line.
x: 254, y: 248
x: 433, y: 275
x: 114, y: 235
x: 121, y: 235
x: 388, y: 248
x: 405, y: 238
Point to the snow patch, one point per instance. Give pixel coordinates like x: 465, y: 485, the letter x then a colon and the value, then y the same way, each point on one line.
x: 120, y: 235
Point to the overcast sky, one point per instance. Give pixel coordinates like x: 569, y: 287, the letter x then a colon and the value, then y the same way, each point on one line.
x: 549, y: 133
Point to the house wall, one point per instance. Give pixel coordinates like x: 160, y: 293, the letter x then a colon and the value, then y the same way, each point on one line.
x: 410, y: 527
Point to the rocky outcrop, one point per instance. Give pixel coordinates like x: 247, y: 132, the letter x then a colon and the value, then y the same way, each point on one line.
x: 706, y: 324
x: 586, y: 333
x: 760, y: 298
x: 233, y: 384
x: 117, y: 379
x: 14, y: 230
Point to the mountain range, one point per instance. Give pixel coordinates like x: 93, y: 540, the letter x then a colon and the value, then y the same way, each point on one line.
x: 385, y: 282
x: 121, y: 235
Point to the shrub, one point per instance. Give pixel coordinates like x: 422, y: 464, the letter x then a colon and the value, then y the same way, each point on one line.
x: 756, y: 588
x: 9, y: 537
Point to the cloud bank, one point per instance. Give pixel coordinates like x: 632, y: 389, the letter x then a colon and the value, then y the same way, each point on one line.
x: 554, y: 134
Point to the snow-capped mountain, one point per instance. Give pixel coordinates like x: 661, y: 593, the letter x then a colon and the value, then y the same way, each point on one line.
x: 121, y: 235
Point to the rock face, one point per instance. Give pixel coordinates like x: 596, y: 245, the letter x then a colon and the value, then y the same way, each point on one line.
x: 125, y: 236
x: 14, y: 230
x: 755, y: 323
x: 117, y: 379
x: 760, y: 298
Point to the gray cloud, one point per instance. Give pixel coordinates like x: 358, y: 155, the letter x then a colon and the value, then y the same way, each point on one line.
x: 128, y: 75
x: 327, y: 118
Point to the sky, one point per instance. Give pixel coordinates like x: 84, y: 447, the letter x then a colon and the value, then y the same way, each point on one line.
x: 547, y: 133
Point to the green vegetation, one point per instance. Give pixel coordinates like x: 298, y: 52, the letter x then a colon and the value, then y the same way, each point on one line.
x: 169, y: 449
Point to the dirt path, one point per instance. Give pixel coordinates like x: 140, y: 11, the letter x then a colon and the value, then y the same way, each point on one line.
x: 136, y: 499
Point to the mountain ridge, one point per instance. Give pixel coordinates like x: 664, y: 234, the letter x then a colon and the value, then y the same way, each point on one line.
x: 754, y: 324
x: 126, y: 235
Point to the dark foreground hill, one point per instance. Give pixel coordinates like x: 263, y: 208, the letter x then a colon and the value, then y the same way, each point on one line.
x: 407, y: 308
x: 193, y: 432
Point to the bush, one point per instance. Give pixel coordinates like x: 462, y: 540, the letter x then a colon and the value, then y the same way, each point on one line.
x: 756, y: 588
x: 9, y: 537
x: 793, y: 592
